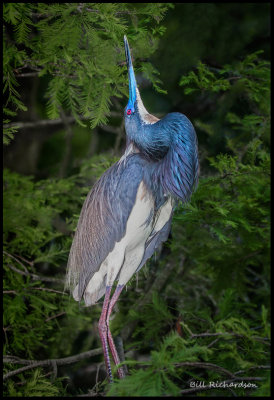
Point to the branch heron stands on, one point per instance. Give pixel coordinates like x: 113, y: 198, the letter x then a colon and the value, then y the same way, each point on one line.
x: 128, y: 212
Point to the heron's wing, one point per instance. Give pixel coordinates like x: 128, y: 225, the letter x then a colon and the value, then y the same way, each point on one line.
x: 154, y: 242
x: 103, y: 220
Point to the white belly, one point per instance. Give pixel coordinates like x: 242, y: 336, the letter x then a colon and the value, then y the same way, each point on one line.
x: 127, y: 254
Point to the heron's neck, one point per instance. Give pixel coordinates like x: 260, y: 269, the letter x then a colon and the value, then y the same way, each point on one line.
x: 145, y: 116
x: 177, y: 172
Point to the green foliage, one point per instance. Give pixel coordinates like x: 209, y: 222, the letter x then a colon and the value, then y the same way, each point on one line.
x: 36, y: 385
x: 78, y: 47
x: 243, y: 90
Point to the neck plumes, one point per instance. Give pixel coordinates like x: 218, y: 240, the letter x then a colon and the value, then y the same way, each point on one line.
x: 177, y: 172
x: 170, y: 147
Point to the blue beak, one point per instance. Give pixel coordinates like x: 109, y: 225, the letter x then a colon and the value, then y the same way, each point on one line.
x: 131, y: 78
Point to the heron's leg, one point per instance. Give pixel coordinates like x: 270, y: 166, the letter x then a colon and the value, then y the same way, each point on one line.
x: 103, y: 328
x: 113, y: 350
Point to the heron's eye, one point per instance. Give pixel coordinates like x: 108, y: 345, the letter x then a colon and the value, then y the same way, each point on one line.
x: 129, y: 111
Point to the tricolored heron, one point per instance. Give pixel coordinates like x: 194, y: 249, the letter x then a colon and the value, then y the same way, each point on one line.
x: 128, y: 212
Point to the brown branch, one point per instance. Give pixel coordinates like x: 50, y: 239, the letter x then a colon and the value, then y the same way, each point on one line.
x: 16, y: 259
x: 37, y: 124
x: 48, y: 290
x: 34, y: 276
x: 27, y: 74
x: 51, y: 362
x: 50, y: 122
x: 27, y: 289
x: 205, y: 365
x: 56, y: 316
x: 31, y: 263
x: 213, y: 342
x: 208, y: 334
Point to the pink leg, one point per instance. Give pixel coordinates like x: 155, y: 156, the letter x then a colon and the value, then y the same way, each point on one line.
x: 103, y: 329
x: 114, y: 353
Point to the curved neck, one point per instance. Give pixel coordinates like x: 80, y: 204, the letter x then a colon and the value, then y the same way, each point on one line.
x: 178, y: 171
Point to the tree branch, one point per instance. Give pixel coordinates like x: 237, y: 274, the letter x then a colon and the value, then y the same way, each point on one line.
x: 34, y: 276
x: 56, y: 316
x: 16, y: 259
x: 206, y: 365
x: 51, y: 362
x: 208, y: 334
x: 50, y: 122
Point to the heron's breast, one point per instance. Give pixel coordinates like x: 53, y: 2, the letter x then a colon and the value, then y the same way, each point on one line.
x: 139, y: 224
x: 128, y: 252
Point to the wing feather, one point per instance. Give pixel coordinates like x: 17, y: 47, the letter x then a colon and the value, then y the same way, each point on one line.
x: 103, y: 220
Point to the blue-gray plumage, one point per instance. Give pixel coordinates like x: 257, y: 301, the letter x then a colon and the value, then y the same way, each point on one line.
x: 128, y: 212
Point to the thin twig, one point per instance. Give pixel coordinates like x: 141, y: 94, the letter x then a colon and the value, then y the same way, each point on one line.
x: 27, y: 74
x: 49, y: 122
x: 34, y: 276
x: 208, y: 334
x: 55, y: 316
x: 206, y: 366
x: 213, y: 342
x: 41, y: 288
x: 48, y: 290
x: 254, y: 367
x: 59, y: 361
x: 37, y: 124
x: 31, y: 263
x: 16, y: 259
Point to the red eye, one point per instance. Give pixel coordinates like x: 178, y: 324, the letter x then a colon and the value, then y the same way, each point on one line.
x: 129, y: 111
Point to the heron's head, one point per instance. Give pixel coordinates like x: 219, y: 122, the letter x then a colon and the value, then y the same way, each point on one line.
x: 143, y: 128
x: 135, y: 113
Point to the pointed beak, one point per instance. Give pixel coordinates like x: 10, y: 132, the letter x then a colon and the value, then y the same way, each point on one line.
x: 131, y: 77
